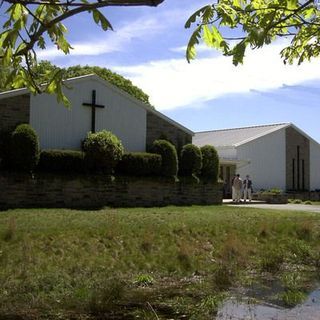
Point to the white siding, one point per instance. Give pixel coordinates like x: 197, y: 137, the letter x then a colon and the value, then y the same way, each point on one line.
x: 227, y: 153
x: 267, y: 156
x: 59, y: 127
x: 314, y: 165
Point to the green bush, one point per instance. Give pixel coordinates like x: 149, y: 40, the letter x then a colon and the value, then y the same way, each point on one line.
x: 61, y: 161
x: 140, y: 164
x: 190, y: 160
x: 24, y: 148
x: 210, y: 163
x: 102, y: 150
x: 168, y: 152
x: 5, y: 140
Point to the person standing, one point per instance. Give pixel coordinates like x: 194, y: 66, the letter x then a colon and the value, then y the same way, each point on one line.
x: 237, y: 184
x: 247, y: 189
x: 232, y: 189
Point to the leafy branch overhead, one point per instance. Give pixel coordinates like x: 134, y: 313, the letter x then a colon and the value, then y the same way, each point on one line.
x: 255, y: 23
x: 31, y: 25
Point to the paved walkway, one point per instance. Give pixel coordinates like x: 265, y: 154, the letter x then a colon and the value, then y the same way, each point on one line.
x: 262, y: 205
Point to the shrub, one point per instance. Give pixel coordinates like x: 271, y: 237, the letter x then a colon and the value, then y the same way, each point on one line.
x: 102, y: 150
x: 24, y: 148
x: 275, y: 190
x: 210, y: 163
x: 190, y: 160
x: 5, y: 140
x: 168, y: 152
x: 140, y: 164
x: 61, y: 161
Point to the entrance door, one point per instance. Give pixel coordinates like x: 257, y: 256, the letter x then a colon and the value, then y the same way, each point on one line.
x: 226, y: 174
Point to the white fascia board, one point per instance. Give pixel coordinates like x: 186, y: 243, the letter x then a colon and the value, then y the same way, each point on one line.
x: 304, y: 134
x: 13, y: 93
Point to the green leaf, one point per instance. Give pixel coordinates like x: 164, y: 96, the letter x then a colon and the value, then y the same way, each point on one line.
x: 17, y: 11
x: 41, y: 43
x: 194, y: 40
x: 63, y: 44
x: 21, y: 47
x: 98, y: 17
x: 207, y: 36
x: 217, y: 38
x: 207, y: 15
x: 6, y: 60
x: 292, y: 4
x: 238, y: 52
x: 194, y: 16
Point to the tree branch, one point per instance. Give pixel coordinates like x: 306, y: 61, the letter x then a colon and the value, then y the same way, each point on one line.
x: 77, y: 9
x: 103, y: 3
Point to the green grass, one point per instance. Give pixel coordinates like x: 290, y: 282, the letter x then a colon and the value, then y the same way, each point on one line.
x: 170, y: 262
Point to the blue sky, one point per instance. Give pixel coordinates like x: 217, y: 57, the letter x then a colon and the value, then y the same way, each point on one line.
x: 148, y: 47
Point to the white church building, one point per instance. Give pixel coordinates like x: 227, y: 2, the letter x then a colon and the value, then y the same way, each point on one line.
x: 275, y: 156
x: 95, y: 105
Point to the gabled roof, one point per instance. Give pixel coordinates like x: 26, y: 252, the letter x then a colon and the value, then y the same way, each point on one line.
x: 17, y: 92
x: 236, y: 136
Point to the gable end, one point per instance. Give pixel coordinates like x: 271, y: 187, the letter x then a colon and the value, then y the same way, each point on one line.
x: 158, y: 128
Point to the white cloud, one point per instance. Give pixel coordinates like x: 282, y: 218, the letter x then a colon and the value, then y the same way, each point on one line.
x: 109, y: 42
x: 175, y: 83
x: 150, y: 26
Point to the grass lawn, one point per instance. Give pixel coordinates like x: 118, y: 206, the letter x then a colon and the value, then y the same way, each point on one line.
x: 149, y: 263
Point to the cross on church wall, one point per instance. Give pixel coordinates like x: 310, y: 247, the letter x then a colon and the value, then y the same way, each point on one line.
x: 93, y: 106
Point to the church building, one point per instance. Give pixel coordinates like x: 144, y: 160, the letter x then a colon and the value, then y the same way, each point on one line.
x: 95, y: 105
x: 275, y: 156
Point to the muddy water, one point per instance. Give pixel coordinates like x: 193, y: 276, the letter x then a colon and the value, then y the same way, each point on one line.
x: 246, y: 309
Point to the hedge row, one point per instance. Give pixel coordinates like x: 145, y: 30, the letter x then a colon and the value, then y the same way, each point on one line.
x: 140, y: 164
x: 61, y: 161
x: 103, y: 152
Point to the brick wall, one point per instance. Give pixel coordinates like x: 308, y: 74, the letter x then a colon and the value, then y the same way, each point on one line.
x: 157, y: 128
x: 14, y: 111
x: 19, y: 191
x: 297, y: 160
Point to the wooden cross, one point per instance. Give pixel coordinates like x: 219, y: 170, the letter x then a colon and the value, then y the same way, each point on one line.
x: 93, y: 106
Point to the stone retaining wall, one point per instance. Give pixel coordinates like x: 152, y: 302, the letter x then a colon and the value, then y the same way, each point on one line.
x: 304, y: 196
x: 21, y: 191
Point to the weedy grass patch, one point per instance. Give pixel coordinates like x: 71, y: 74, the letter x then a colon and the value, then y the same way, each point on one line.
x: 174, y: 262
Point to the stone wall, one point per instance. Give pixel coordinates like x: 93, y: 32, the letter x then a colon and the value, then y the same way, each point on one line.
x: 158, y: 128
x: 297, y: 160
x: 14, y: 111
x: 304, y: 196
x: 20, y: 191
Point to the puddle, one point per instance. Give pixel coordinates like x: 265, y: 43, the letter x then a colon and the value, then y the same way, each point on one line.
x: 246, y: 309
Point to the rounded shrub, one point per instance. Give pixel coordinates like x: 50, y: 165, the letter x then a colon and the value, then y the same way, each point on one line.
x: 24, y: 148
x: 61, y: 161
x: 210, y: 163
x: 139, y: 164
x: 168, y: 152
x: 102, y: 150
x: 190, y: 160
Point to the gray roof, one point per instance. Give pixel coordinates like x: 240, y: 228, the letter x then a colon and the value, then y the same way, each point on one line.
x: 236, y: 136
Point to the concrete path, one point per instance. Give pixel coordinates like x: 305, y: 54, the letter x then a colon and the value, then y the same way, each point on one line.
x: 262, y: 205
